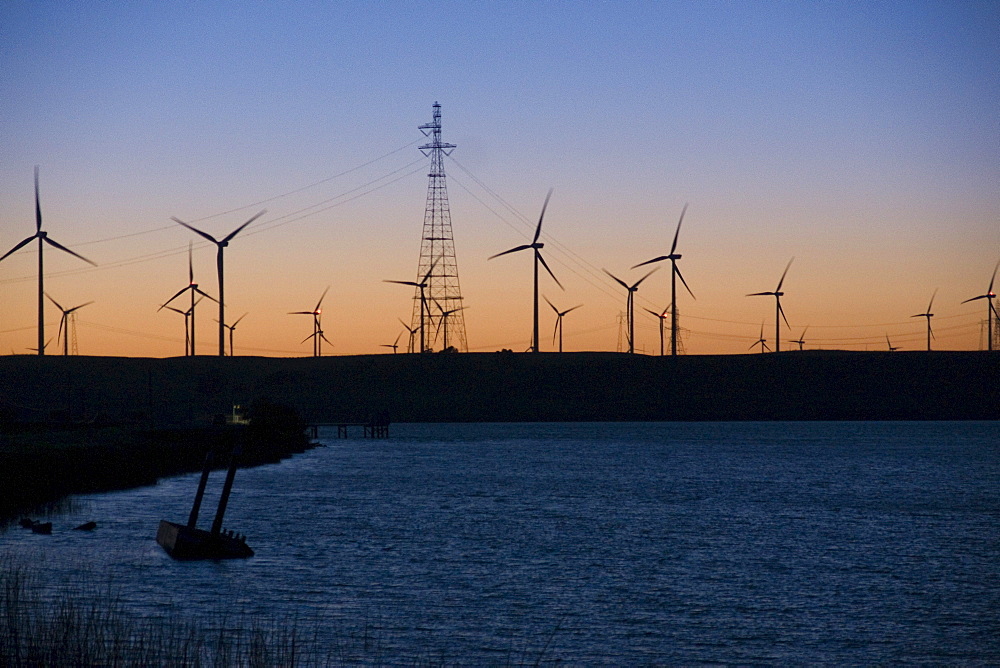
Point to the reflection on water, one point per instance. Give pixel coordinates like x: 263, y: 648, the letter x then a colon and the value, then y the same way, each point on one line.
x: 590, y: 543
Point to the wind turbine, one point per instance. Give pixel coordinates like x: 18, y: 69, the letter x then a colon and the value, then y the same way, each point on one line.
x: 761, y: 341
x: 412, y: 331
x: 318, y: 337
x: 188, y: 330
x: 64, y: 321
x: 232, y: 328
x: 317, y: 332
x: 536, y: 247
x: 444, y: 321
x: 675, y: 273
x: 559, y: 321
x: 889, y: 343
x: 394, y: 344
x: 193, y: 288
x: 220, y: 245
x: 43, y: 238
x: 928, y: 315
x: 778, y: 311
x: 424, y: 308
x: 990, y: 309
x: 802, y: 339
x: 661, y: 317
x: 630, y: 305
x: 44, y: 346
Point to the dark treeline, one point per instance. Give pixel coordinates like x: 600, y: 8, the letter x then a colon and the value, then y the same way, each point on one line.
x: 810, y: 385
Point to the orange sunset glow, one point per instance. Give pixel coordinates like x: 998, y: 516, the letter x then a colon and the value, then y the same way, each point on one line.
x: 862, y: 141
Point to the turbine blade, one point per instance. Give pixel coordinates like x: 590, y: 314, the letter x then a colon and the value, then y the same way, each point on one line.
x: 178, y: 294
x: 308, y: 337
x: 171, y: 308
x: 19, y: 246
x: 58, y: 305
x: 416, y: 285
x: 240, y: 228
x: 932, y: 300
x: 38, y: 206
x: 538, y: 229
x: 62, y: 321
x: 636, y: 284
x: 550, y: 304
x: 512, y: 250
x: 233, y: 326
x: 655, y: 259
x: 681, y: 276
x: 555, y: 329
x: 546, y: 265
x: 994, y: 277
x: 49, y: 241
x: 619, y: 281
x: 301, y: 313
x: 678, y: 232
x: 76, y: 308
x: 196, y: 230
x: 205, y: 294
x: 782, y: 312
x: 429, y: 272
x: 651, y: 312
x: 760, y: 294
x: 972, y: 299
x: 323, y: 336
x: 320, y: 302
x: 778, y: 289
x: 190, y: 264
x: 572, y: 309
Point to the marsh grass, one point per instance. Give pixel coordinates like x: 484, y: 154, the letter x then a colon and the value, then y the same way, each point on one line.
x: 93, y: 628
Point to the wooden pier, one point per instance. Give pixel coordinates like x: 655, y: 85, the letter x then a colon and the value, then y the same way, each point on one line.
x: 371, y: 429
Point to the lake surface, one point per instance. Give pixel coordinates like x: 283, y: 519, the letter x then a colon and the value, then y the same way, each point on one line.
x: 615, y: 544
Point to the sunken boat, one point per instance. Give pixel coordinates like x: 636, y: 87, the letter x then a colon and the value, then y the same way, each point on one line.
x: 188, y: 542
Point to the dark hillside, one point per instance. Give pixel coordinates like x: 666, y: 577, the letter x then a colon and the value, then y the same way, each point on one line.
x: 811, y: 385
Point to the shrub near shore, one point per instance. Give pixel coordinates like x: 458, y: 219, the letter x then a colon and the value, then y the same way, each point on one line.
x: 44, y: 464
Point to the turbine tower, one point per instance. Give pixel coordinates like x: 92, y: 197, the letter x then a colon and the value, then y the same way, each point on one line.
x: 438, y: 267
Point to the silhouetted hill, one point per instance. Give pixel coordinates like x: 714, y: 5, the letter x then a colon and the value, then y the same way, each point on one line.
x: 810, y: 385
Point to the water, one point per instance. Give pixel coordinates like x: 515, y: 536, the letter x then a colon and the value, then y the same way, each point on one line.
x: 615, y: 544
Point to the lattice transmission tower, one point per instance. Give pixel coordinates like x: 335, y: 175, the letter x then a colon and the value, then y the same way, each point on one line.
x: 437, y: 252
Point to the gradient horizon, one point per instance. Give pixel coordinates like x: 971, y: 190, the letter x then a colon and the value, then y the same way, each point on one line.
x: 862, y: 140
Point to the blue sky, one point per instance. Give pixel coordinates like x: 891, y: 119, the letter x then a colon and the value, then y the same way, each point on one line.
x: 862, y: 138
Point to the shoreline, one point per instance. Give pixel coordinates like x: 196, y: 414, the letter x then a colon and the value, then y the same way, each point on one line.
x: 44, y: 466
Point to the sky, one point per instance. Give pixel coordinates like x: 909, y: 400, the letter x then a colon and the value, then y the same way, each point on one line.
x: 860, y: 138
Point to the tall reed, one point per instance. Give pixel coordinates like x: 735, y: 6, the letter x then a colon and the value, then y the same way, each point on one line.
x: 93, y: 628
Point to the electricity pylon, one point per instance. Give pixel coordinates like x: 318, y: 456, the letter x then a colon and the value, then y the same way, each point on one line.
x: 437, y: 247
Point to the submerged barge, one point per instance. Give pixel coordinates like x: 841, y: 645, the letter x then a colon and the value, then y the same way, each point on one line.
x: 188, y: 542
